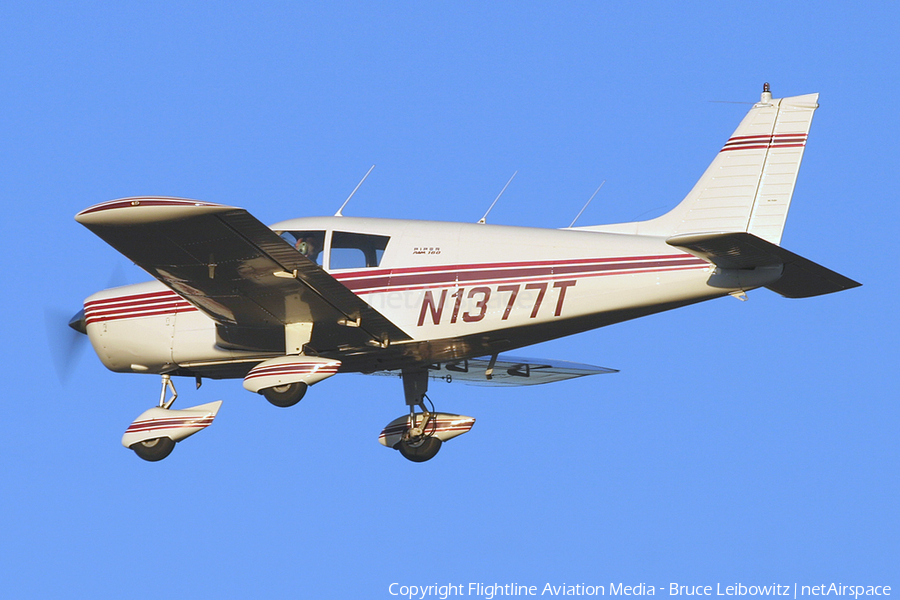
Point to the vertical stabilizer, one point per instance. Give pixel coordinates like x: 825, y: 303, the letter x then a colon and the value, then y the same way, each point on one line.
x: 781, y: 164
x: 748, y: 187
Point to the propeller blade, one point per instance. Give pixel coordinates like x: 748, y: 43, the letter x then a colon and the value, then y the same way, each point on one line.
x: 66, y: 344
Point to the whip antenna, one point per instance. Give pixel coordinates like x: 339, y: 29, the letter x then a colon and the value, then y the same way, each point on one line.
x: 586, y: 205
x: 482, y: 221
x: 338, y: 213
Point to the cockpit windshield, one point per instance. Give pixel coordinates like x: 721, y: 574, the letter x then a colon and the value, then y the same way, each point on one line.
x: 308, y: 243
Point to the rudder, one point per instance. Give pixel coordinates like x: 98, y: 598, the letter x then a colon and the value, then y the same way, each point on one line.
x: 749, y: 185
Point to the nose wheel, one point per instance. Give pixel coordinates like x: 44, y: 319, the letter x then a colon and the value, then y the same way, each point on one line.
x: 153, y: 435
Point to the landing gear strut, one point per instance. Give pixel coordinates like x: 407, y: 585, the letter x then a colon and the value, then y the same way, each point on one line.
x: 418, y: 443
x: 419, y: 435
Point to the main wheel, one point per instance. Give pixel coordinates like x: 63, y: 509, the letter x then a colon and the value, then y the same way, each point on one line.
x: 285, y: 395
x: 155, y: 449
x: 419, y: 451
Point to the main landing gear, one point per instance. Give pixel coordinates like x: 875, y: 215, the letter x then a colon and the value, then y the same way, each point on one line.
x: 283, y: 380
x: 417, y: 443
x: 419, y: 435
x: 154, y: 449
x: 153, y: 435
x: 286, y: 395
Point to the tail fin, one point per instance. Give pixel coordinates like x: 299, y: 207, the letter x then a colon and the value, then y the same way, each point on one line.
x: 748, y: 187
x: 735, y: 215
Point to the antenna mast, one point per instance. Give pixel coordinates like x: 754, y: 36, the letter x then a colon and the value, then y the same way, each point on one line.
x: 482, y: 220
x: 586, y: 205
x: 338, y: 213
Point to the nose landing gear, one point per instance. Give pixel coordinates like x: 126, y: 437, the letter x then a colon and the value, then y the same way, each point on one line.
x: 153, y: 435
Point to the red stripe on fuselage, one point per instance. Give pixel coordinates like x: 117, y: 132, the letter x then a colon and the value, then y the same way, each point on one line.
x: 403, y: 279
x: 135, y: 306
x: 545, y: 271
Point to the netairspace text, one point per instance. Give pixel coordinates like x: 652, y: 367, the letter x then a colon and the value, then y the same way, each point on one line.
x: 490, y: 591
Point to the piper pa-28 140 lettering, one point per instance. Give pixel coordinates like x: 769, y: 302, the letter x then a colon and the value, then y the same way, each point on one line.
x: 287, y: 306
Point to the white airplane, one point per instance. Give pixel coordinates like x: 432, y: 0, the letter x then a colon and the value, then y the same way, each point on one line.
x: 287, y: 306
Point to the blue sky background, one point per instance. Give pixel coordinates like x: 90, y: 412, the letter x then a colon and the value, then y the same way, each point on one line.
x: 742, y: 442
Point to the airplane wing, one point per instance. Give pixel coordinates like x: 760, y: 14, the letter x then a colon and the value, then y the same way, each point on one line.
x: 236, y: 270
x: 508, y: 371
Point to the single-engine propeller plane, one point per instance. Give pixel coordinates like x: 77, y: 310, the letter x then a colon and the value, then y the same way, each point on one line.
x: 287, y: 306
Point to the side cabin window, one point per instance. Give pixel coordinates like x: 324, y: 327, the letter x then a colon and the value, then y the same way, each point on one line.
x: 356, y: 250
x: 308, y: 243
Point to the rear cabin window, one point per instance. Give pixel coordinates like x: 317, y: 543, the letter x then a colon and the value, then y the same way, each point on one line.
x: 308, y: 243
x: 356, y: 250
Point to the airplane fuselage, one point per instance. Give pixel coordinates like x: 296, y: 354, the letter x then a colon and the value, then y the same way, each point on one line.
x: 444, y: 284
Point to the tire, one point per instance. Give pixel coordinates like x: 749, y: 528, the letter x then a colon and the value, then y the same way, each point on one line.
x: 420, y: 451
x: 284, y: 396
x: 155, y: 449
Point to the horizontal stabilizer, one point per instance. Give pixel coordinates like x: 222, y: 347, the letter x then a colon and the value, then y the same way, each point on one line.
x: 801, y: 278
x: 508, y: 371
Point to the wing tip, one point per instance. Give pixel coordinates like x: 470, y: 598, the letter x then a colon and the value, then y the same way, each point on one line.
x: 143, y: 209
